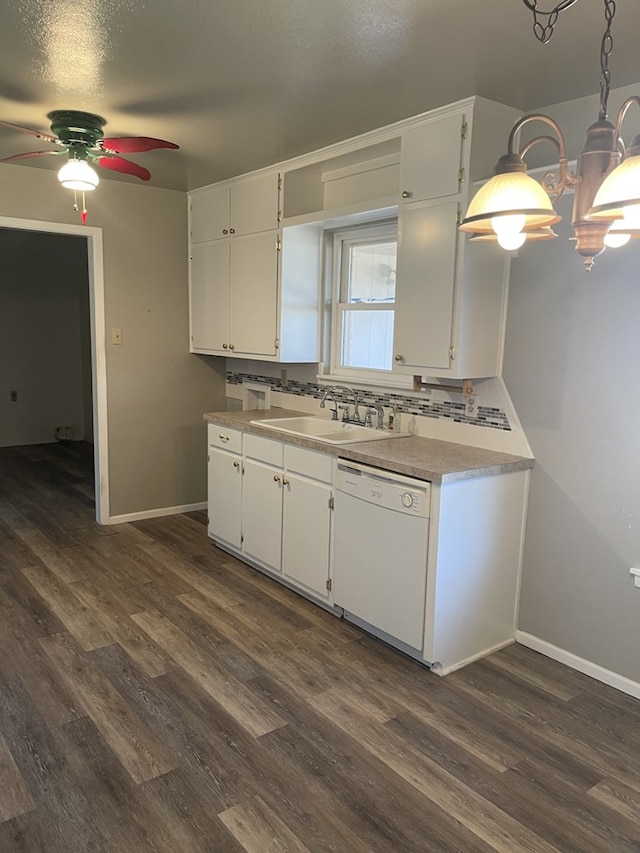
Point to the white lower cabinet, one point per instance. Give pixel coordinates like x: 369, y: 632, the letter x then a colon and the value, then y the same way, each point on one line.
x: 273, y: 506
x: 262, y: 513
x: 306, y: 529
x: 224, y: 479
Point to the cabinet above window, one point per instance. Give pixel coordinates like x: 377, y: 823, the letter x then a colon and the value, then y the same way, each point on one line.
x: 450, y: 296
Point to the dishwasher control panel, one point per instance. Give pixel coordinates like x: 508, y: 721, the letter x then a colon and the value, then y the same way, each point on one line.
x: 384, y: 488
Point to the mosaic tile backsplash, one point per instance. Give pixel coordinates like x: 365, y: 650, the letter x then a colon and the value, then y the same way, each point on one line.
x: 486, y: 416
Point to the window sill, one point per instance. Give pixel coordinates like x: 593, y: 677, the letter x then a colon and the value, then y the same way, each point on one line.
x: 384, y: 383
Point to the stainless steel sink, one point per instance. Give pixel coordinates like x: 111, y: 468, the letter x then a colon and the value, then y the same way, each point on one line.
x: 332, y: 432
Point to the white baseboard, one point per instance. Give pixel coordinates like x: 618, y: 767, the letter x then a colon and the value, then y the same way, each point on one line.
x: 156, y: 513
x: 613, y: 679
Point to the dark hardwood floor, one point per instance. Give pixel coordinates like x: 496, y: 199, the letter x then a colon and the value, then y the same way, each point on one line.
x: 158, y: 695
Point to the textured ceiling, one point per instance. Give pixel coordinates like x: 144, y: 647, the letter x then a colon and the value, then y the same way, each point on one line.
x: 239, y: 84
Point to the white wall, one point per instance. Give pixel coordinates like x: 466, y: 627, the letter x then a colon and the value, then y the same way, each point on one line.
x: 44, y: 289
x: 571, y: 366
x: 156, y: 390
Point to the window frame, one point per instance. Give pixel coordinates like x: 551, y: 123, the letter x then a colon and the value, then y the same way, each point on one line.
x: 340, y: 239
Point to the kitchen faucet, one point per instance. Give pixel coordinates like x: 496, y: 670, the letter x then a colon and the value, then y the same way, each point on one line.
x: 346, y: 417
x: 374, y: 410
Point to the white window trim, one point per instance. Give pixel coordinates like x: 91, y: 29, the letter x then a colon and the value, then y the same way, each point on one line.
x: 336, y: 372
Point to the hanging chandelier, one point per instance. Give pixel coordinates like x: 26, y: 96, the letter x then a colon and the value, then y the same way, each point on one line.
x: 512, y: 208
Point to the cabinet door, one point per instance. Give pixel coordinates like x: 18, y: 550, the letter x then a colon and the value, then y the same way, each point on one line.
x: 225, y: 496
x: 209, y: 296
x: 425, y: 286
x: 306, y: 527
x: 210, y: 214
x: 431, y: 159
x: 262, y: 513
x: 254, y: 294
x: 254, y: 204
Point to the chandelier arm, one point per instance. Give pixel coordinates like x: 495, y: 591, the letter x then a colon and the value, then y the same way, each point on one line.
x: 529, y: 145
x: 566, y: 177
x: 624, y: 109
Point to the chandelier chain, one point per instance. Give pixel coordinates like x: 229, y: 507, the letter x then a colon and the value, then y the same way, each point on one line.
x: 544, y: 22
x: 606, y: 49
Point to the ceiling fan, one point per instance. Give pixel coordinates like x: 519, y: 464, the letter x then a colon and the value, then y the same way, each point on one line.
x: 80, y: 136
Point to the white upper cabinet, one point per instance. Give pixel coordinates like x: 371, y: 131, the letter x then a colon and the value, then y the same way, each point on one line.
x: 425, y: 286
x: 431, y: 161
x: 450, y: 294
x: 243, y: 300
x: 245, y: 207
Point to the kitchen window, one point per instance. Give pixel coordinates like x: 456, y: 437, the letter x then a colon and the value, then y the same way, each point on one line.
x: 363, y: 300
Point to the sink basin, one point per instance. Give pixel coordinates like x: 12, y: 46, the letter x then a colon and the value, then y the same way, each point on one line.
x: 332, y: 432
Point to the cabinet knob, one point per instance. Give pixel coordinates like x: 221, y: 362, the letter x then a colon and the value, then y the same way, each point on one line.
x: 236, y: 464
x: 399, y: 358
x: 231, y: 346
x: 276, y: 479
x: 224, y: 346
x: 285, y: 482
x: 406, y: 194
x: 232, y: 230
x: 224, y: 231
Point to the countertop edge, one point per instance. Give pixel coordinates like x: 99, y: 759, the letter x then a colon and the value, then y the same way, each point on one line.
x: 495, y: 462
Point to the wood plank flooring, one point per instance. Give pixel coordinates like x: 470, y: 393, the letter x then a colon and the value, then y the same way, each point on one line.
x: 158, y: 695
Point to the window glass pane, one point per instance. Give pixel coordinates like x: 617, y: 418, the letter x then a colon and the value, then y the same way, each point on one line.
x: 372, y: 272
x: 367, y: 339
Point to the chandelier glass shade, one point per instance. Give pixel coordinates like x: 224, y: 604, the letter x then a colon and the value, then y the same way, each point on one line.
x: 619, y: 195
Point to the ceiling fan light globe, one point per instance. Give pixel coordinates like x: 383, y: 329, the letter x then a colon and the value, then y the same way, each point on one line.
x: 78, y: 175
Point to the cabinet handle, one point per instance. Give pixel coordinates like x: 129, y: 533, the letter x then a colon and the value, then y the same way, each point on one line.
x: 232, y: 230
x: 224, y: 231
x: 399, y: 358
x: 276, y: 479
x: 236, y: 464
x: 222, y: 437
x: 406, y: 194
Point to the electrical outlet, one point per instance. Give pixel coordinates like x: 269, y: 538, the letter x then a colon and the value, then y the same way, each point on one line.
x: 471, y: 406
x: 116, y: 336
x: 635, y: 571
x: 13, y: 395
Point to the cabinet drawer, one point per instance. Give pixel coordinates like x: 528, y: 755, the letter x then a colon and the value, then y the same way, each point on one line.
x: 221, y: 436
x: 318, y: 466
x: 264, y: 449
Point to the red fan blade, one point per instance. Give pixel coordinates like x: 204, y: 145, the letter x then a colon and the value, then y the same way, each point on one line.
x: 29, y: 154
x: 135, y: 144
x: 46, y: 137
x: 119, y: 164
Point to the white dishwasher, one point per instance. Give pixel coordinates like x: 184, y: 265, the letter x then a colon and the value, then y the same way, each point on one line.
x: 381, y: 536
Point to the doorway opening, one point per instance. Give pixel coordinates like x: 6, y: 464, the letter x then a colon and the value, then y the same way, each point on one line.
x: 90, y: 399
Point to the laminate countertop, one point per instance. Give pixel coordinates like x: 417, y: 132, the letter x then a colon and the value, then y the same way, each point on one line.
x: 413, y: 456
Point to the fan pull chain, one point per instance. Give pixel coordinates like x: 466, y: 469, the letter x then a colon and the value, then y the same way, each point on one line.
x: 76, y: 207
